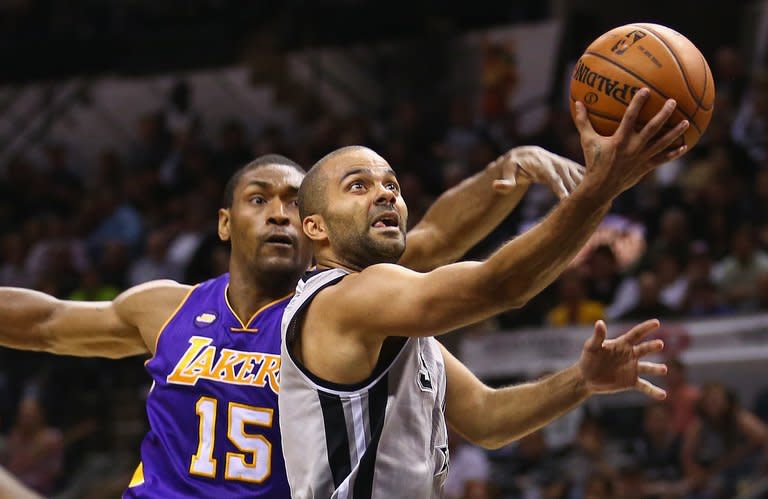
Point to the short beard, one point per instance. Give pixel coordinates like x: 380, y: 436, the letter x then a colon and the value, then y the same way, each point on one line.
x: 362, y: 250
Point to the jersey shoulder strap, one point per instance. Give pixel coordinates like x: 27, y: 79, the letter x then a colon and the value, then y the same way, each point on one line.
x: 308, y: 287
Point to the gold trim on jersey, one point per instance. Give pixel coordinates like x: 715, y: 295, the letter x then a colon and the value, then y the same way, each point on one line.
x: 138, y: 476
x: 168, y: 321
x: 244, y: 325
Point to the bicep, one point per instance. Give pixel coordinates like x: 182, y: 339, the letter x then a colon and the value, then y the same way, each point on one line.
x: 91, y: 329
x: 465, y: 397
x: 389, y: 300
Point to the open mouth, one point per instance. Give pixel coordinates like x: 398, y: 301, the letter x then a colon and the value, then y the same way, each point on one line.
x: 280, y: 240
x: 386, y: 220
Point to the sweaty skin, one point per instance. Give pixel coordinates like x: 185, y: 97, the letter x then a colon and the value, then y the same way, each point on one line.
x: 260, y: 271
x: 359, y: 226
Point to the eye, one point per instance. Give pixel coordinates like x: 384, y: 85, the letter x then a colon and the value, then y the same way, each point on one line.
x: 294, y: 203
x: 392, y: 186
x: 357, y: 185
x: 257, y: 200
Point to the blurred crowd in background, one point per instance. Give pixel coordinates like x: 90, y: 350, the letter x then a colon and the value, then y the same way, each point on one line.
x: 87, y: 231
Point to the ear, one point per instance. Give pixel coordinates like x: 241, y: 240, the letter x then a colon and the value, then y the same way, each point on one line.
x: 314, y: 227
x: 224, y: 230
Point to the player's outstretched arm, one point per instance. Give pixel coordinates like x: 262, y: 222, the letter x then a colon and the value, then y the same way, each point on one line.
x: 493, y: 418
x: 31, y: 320
x: 11, y: 488
x: 412, y: 304
x: 463, y: 215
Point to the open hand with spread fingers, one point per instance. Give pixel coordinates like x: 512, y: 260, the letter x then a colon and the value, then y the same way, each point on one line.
x: 615, y: 365
x: 616, y: 163
x: 531, y: 164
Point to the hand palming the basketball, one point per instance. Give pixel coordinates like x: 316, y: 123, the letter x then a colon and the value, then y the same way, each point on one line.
x: 616, y: 163
x: 614, y: 365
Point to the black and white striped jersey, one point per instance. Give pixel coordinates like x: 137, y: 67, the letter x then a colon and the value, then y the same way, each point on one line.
x: 382, y: 438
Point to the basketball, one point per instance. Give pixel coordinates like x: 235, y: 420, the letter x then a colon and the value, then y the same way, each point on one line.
x: 630, y: 57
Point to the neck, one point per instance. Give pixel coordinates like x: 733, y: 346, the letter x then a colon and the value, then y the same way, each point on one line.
x: 249, y: 291
x: 330, y: 261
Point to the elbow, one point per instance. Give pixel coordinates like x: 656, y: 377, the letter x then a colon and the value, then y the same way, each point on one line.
x: 516, y: 295
x: 490, y: 443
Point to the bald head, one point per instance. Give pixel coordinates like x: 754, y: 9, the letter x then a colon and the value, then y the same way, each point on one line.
x: 312, y: 195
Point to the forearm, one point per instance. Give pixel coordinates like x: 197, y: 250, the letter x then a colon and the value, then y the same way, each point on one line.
x: 23, y: 313
x: 511, y: 413
x: 460, y: 218
x: 529, y: 263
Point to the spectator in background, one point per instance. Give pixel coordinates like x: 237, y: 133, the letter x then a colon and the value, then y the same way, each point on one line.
x: 682, y: 397
x: 587, y: 456
x: 92, y: 288
x: 673, y: 282
x: 673, y: 237
x: 730, y: 74
x: 531, y: 467
x: 721, y: 445
x: 154, y: 264
x: 194, y: 227
x: 179, y: 115
x: 574, y: 308
x: 703, y: 300
x: 153, y: 142
x: 57, y: 251
x: 699, y: 262
x: 737, y: 274
x: 114, y: 263
x: 120, y: 221
x: 603, y: 273
x: 232, y: 149
x: 600, y: 486
x: 62, y: 188
x: 470, y: 469
x: 12, y: 270
x: 209, y: 260
x: 35, y: 450
x: 750, y: 127
x: 461, y: 136
x: 657, y: 453
x: 649, y: 302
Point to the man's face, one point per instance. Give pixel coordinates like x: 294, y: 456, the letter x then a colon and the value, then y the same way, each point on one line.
x: 365, y: 213
x: 263, y: 223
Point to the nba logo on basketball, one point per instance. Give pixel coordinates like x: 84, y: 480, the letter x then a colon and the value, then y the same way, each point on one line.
x: 626, y: 42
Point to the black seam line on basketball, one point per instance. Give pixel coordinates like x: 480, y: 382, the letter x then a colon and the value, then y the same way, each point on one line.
x: 704, y: 92
x: 601, y: 115
x: 617, y: 119
x: 680, y: 66
x: 645, y: 83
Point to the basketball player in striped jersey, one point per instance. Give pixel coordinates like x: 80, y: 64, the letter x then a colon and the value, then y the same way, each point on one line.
x: 216, y: 346
x: 366, y: 390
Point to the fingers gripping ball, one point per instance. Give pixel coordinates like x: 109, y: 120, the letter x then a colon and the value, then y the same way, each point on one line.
x: 630, y: 57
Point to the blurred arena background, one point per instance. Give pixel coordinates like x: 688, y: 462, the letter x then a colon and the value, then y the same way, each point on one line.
x: 120, y: 122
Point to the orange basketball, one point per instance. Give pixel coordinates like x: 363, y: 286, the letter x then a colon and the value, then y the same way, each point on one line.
x: 630, y: 57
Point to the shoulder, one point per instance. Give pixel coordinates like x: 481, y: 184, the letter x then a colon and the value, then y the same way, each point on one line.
x: 155, y: 298
x: 164, y: 290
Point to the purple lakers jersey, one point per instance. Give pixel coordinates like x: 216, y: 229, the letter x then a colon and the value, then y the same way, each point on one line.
x: 213, y: 405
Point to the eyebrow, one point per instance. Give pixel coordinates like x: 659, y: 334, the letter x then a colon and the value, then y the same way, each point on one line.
x: 389, y: 171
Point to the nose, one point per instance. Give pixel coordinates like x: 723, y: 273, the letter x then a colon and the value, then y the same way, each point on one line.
x: 278, y: 214
x: 385, y: 196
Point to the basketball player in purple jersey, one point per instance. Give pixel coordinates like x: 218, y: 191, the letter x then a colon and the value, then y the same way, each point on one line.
x: 216, y: 346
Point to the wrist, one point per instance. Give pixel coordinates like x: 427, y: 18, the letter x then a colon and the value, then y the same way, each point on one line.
x: 579, y: 381
x: 592, y: 196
